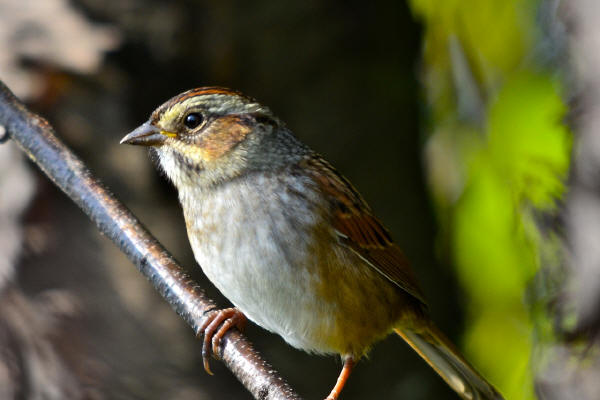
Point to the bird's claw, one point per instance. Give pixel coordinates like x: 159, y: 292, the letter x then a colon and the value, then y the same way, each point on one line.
x: 215, y: 326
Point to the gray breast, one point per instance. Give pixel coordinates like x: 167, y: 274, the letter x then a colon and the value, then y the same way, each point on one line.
x: 254, y: 239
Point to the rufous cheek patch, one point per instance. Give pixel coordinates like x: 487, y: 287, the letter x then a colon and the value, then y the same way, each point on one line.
x: 222, y: 135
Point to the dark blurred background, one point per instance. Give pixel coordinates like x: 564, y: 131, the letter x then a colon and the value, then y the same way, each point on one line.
x: 409, y: 100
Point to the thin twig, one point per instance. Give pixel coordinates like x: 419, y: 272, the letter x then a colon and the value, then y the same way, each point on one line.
x: 36, y: 138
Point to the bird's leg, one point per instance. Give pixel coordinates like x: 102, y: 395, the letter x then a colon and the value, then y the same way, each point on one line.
x: 226, y: 319
x: 341, y: 381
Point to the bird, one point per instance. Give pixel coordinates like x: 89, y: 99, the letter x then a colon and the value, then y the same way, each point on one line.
x: 289, y: 240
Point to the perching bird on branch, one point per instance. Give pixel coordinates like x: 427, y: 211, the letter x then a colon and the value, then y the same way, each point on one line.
x: 288, y: 239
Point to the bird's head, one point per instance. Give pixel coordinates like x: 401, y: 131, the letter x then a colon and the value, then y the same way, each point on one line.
x: 210, y: 134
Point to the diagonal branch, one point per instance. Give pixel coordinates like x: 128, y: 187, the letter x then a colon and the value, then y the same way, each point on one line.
x: 35, y: 137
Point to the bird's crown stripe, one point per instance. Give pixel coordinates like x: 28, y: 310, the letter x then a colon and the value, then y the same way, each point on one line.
x: 203, y: 91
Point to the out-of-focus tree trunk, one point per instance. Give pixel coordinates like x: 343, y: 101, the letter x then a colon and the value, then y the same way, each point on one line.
x: 572, y: 365
x: 583, y: 205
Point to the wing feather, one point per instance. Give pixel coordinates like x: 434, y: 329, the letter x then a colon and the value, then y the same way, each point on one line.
x: 359, y: 230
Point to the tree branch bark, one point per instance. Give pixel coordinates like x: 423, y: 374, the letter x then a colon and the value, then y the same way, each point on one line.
x: 36, y: 138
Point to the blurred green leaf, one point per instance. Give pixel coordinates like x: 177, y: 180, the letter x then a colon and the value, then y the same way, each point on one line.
x: 527, y: 139
x: 491, y: 168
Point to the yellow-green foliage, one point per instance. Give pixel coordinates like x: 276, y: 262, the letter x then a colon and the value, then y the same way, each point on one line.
x: 495, y: 35
x: 490, y: 169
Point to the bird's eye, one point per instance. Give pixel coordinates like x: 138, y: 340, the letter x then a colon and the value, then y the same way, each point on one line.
x: 193, y: 120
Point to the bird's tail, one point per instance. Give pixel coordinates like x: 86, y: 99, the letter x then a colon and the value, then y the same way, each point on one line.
x: 445, y: 359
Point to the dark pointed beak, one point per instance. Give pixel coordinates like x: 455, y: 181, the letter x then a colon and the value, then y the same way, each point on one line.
x: 145, y: 135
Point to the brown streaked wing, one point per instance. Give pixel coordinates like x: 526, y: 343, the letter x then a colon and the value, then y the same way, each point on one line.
x: 360, y: 230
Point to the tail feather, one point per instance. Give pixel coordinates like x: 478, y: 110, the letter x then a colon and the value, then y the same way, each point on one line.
x: 445, y: 359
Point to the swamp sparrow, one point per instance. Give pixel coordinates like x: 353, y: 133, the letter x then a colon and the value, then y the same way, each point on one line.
x: 288, y: 239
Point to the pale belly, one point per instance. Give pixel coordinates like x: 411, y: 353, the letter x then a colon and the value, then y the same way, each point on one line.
x: 288, y: 274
